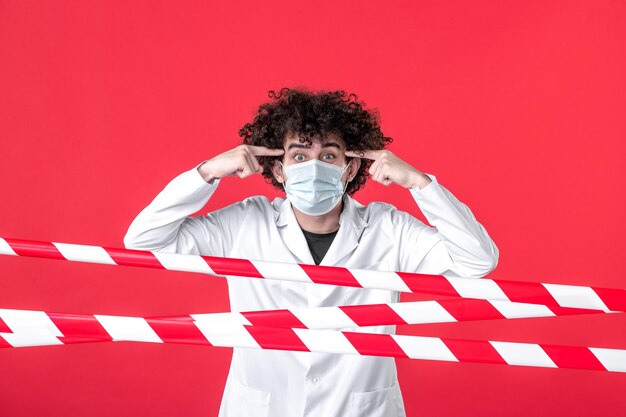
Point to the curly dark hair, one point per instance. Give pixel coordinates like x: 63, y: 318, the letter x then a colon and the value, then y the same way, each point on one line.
x: 297, y: 111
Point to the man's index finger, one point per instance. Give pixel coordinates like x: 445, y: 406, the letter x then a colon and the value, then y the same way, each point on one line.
x: 363, y: 154
x: 263, y: 151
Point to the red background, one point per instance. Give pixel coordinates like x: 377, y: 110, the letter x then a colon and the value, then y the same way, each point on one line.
x: 517, y: 107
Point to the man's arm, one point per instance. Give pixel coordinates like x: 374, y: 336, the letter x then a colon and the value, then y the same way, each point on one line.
x: 457, y: 245
x: 165, y: 225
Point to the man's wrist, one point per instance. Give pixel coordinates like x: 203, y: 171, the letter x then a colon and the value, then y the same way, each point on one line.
x: 420, y: 181
x: 207, y: 176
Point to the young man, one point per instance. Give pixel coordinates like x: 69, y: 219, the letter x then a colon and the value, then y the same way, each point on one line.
x: 320, y: 148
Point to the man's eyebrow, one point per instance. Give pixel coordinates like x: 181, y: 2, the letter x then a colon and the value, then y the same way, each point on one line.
x: 333, y: 144
x: 297, y: 145
x: 302, y: 146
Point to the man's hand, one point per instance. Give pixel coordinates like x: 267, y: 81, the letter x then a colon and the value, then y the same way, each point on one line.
x: 388, y: 168
x: 240, y: 161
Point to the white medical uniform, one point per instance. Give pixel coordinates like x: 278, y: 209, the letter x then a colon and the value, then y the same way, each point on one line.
x: 377, y: 236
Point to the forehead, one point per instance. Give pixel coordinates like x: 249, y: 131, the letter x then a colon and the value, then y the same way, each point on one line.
x: 329, y: 138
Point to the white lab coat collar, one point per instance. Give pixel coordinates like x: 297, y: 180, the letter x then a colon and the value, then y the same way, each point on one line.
x: 351, y: 226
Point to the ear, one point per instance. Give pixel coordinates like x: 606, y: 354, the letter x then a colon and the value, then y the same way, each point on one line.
x: 277, y: 170
x: 354, y: 168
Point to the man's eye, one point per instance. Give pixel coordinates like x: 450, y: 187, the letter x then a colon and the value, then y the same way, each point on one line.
x: 328, y: 157
x: 299, y: 157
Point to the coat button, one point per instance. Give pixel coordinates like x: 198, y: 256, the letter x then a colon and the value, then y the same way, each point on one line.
x: 315, y: 380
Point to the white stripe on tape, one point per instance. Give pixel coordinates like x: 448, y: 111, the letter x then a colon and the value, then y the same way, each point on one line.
x: 419, y: 347
x: 221, y: 319
x: 576, y: 296
x: 180, y: 262
x: 483, y: 289
x: 5, y: 249
x: 369, y: 278
x: 282, y: 271
x: 226, y: 335
x: 84, y: 253
x: 323, y: 318
x: 526, y: 354
x: 612, y: 359
x: 24, y: 339
x: 128, y: 328
x: 330, y: 341
x: 513, y: 310
x: 26, y: 321
x: 417, y: 312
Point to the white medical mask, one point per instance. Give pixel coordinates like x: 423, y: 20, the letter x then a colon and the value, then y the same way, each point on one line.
x: 314, y: 187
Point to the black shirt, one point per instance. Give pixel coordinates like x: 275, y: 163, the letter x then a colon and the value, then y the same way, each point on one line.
x: 319, y: 244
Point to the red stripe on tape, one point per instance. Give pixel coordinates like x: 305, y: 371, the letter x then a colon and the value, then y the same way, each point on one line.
x: 527, y: 292
x: 141, y: 258
x: 428, y: 284
x: 179, y: 330
x: 71, y: 340
x: 275, y: 338
x: 232, y: 266
x: 32, y: 248
x: 76, y: 340
x: 4, y: 328
x: 375, y: 344
x: 473, y: 351
x: 372, y: 315
x: 331, y: 275
x: 79, y: 326
x: 566, y: 311
x: 573, y: 357
x: 470, y: 309
x: 614, y: 299
x: 4, y: 343
x: 273, y: 318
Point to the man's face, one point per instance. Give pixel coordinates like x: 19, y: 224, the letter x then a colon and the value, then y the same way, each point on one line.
x: 330, y: 149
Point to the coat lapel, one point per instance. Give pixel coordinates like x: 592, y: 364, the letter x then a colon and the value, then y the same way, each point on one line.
x: 351, y: 226
x: 292, y: 235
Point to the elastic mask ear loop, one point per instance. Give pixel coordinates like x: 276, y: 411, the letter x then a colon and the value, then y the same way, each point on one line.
x: 284, y: 179
x: 345, y: 187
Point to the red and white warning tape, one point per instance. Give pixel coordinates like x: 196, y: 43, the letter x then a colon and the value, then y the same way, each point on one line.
x: 298, y: 329
x: 558, y: 295
x: 416, y: 312
x: 32, y: 328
